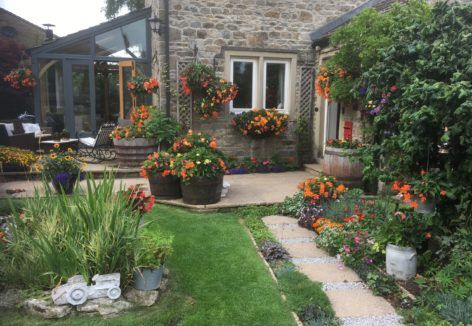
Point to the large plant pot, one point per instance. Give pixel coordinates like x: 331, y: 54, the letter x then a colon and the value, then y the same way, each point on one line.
x: 401, y: 262
x: 167, y: 187
x: 132, y: 152
x: 202, y: 190
x: 148, y: 279
x: 346, y: 170
x: 67, y: 187
x: 14, y: 168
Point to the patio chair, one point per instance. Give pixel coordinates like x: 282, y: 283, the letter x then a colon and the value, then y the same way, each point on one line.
x: 100, y: 148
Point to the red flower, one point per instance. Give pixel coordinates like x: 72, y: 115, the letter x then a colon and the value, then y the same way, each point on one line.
x: 427, y: 235
x: 393, y: 88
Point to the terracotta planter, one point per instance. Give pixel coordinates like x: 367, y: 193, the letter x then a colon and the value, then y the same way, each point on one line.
x: 132, y: 152
x: 167, y: 187
x: 343, y: 168
x: 202, y: 190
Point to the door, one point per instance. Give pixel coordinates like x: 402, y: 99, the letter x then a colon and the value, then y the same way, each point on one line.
x: 80, y: 98
x: 127, y: 70
x: 331, y: 130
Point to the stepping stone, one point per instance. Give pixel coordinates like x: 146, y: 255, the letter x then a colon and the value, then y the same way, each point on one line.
x: 279, y: 219
x: 303, y: 250
x: 289, y: 233
x: 328, y: 273
x: 358, y: 303
x: 296, y: 240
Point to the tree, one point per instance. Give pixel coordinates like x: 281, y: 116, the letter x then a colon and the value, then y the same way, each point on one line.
x: 112, y: 7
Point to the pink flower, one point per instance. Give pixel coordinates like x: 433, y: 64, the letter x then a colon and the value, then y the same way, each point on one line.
x: 347, y: 250
x: 393, y: 88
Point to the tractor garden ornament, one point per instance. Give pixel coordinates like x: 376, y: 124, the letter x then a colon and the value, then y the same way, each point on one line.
x: 76, y: 291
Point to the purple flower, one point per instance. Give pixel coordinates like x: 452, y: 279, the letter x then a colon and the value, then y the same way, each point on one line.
x: 383, y: 101
x: 375, y: 110
x: 362, y: 91
x: 82, y: 176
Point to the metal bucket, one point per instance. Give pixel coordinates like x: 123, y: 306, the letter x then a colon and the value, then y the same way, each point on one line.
x: 401, y: 262
x: 148, y: 279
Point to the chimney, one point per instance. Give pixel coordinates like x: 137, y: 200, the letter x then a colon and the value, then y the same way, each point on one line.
x: 49, y: 32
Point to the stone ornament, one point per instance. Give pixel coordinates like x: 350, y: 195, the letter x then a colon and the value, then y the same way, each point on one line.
x: 76, y: 291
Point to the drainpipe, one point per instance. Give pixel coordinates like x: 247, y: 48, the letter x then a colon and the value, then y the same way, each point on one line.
x: 167, y: 55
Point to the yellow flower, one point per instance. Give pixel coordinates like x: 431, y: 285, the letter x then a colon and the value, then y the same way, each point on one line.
x: 53, y: 156
x: 68, y: 158
x: 70, y: 150
x: 56, y: 145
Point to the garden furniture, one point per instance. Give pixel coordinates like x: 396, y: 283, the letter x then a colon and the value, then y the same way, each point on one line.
x: 100, y: 148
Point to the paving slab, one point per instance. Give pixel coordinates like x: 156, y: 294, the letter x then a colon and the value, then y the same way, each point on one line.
x: 290, y: 233
x: 303, y: 250
x: 328, y: 273
x: 358, y: 303
x: 279, y: 219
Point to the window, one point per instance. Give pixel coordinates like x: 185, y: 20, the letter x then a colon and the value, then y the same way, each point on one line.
x: 264, y: 81
x: 128, y: 41
x: 276, y: 75
x: 243, y: 74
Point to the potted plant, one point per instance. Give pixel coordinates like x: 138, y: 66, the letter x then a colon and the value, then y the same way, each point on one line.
x: 201, y: 173
x: 151, y: 252
x: 62, y: 170
x: 208, y: 92
x: 14, y: 159
x: 159, y: 170
x: 403, y: 232
x: 21, y: 78
x: 261, y: 123
x: 421, y: 193
x: 131, y: 145
x: 341, y: 160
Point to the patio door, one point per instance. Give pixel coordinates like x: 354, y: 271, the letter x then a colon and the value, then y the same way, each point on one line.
x: 127, y: 70
x: 331, y: 125
x: 79, y: 97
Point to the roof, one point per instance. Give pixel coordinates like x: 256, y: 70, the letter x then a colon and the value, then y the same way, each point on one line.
x: 320, y: 35
x: 97, y: 29
x: 21, y: 18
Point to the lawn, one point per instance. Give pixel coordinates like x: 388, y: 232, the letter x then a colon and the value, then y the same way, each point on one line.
x: 216, y: 278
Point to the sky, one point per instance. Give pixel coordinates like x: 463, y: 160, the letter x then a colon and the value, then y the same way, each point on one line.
x: 69, y: 16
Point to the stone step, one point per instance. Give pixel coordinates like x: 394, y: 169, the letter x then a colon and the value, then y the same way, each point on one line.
x: 326, y: 273
x: 303, y: 249
x: 296, y: 240
x: 282, y: 226
x: 358, y: 303
x: 315, y: 169
x: 290, y: 233
x: 279, y: 219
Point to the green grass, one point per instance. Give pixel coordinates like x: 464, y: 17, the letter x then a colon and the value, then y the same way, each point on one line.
x: 216, y: 278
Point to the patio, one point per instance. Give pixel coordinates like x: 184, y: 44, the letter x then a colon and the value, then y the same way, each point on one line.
x: 246, y: 189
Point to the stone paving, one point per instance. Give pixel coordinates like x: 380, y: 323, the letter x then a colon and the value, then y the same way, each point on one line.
x: 353, y: 303
x: 245, y: 189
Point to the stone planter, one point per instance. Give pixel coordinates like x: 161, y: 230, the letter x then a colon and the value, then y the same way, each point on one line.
x: 202, y: 190
x: 148, y: 279
x: 14, y: 168
x: 346, y: 170
x: 132, y: 152
x: 167, y: 187
x: 401, y: 262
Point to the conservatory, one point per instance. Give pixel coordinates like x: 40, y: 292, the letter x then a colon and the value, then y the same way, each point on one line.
x: 82, y: 77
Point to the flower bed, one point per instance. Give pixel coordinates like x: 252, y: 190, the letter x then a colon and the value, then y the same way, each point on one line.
x: 12, y: 157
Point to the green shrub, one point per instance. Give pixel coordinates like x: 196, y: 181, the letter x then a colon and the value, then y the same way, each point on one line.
x: 56, y: 237
x: 293, y: 205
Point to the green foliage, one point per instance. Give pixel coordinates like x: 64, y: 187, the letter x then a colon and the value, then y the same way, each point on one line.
x: 426, y: 123
x: 152, y: 249
x: 293, y: 205
x: 56, y: 237
x: 112, y: 7
x: 163, y: 129
x: 252, y: 216
x: 199, y: 162
x: 458, y: 312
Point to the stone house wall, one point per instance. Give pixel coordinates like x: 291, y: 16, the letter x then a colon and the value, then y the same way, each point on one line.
x: 216, y: 26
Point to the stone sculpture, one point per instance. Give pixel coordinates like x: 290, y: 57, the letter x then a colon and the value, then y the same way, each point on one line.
x: 76, y: 291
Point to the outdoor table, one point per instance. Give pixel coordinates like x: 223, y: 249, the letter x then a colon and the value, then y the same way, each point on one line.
x: 64, y: 144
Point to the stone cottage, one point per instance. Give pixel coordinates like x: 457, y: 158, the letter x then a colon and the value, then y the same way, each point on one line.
x: 243, y: 40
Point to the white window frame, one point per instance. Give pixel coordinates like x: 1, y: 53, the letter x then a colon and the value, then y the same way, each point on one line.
x: 255, y: 86
x: 286, y: 83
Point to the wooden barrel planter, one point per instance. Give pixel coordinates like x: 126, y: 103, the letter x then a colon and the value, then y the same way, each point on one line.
x: 167, y: 187
x: 202, y: 190
x: 345, y: 169
x: 132, y: 152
